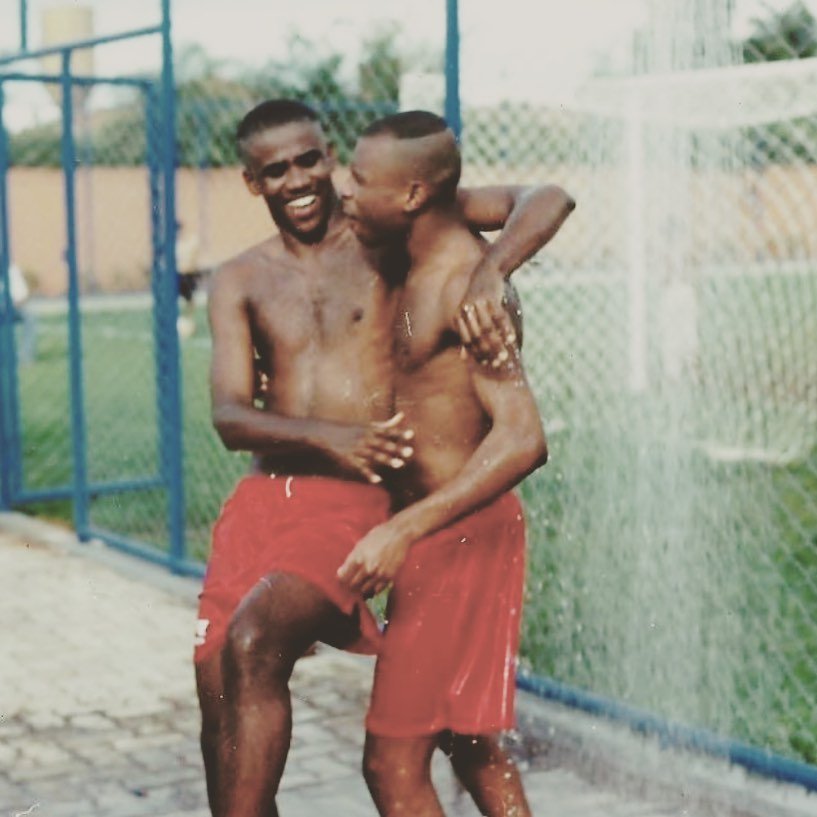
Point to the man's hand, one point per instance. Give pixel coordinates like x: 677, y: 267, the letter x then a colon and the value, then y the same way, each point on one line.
x: 374, y: 561
x: 363, y: 449
x: 487, y: 285
x: 488, y: 335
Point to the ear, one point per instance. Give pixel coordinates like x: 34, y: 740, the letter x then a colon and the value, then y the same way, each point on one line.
x: 250, y: 181
x: 417, y: 196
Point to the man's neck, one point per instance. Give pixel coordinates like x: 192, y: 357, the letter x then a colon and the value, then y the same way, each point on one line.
x: 431, y: 230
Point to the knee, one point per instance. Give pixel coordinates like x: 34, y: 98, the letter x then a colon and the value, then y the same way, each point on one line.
x: 251, y: 646
x: 395, y: 774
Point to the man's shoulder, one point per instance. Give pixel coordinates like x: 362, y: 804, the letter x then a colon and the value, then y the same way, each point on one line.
x: 451, y: 268
x: 462, y: 253
x: 265, y: 257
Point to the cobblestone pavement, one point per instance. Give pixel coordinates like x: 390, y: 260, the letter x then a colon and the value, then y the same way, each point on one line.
x: 98, y: 714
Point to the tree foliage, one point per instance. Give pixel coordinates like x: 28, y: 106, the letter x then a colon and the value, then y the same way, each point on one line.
x: 782, y: 35
x: 212, y: 96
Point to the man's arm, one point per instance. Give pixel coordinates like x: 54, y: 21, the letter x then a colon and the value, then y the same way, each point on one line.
x: 514, y: 447
x: 529, y: 218
x: 243, y: 427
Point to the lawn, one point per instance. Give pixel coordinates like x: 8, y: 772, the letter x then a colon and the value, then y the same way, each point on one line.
x: 660, y: 573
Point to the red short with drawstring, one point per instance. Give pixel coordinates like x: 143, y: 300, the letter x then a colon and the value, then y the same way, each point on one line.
x: 305, y: 526
x: 448, y: 656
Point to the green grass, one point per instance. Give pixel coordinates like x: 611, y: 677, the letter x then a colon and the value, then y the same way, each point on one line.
x: 678, y: 584
x: 657, y: 575
x: 123, y: 427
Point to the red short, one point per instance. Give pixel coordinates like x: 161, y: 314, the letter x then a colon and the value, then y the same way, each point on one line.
x: 300, y: 525
x: 448, y: 657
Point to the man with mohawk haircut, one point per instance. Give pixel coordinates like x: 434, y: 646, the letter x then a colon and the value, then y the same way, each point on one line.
x: 455, y: 549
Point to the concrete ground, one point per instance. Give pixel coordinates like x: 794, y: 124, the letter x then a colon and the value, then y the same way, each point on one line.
x: 98, y: 713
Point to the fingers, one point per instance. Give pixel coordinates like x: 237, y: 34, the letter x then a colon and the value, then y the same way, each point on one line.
x: 392, y: 422
x: 487, y: 334
x: 361, y: 580
x: 347, y: 572
x: 365, y: 469
x: 389, y: 443
x: 393, y: 429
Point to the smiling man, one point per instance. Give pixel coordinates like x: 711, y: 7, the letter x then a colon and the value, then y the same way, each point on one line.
x: 314, y: 309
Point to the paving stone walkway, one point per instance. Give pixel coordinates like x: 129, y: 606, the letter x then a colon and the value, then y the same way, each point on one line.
x: 98, y: 714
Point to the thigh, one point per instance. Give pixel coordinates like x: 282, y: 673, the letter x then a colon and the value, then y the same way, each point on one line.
x: 286, y: 611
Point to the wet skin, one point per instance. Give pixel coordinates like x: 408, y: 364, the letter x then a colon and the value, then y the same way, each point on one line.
x: 480, y: 434
x: 317, y: 308
x: 322, y: 313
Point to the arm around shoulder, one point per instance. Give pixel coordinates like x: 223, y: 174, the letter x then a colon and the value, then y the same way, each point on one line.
x: 529, y: 218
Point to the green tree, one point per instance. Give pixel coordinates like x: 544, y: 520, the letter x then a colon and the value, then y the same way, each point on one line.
x: 380, y: 67
x: 783, y: 35
x: 212, y: 96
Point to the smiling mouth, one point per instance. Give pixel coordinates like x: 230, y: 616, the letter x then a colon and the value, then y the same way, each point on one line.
x: 302, y: 203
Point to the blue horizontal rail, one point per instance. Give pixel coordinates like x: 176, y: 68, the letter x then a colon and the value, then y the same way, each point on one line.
x: 133, y: 547
x: 673, y: 734
x: 76, y: 45
x: 22, y: 76
x: 94, y: 489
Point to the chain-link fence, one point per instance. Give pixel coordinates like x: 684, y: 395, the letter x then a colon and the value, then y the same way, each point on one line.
x: 672, y: 340
x: 671, y: 327
x: 89, y: 417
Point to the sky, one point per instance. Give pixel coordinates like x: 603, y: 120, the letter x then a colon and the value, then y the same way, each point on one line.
x: 513, y: 48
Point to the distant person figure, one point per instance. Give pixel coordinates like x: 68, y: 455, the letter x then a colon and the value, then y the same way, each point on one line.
x: 22, y: 314
x: 189, y: 275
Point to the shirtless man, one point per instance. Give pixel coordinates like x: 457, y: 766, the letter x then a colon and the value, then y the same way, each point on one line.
x: 446, y: 667
x: 317, y: 308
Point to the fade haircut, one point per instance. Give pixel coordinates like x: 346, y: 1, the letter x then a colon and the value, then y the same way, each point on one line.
x: 272, y: 114
x: 440, y: 160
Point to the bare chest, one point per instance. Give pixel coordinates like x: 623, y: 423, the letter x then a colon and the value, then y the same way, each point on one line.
x: 325, y: 311
x: 420, y: 332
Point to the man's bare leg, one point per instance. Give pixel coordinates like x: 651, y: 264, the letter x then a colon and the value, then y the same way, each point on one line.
x: 398, y: 774
x: 274, y: 625
x: 211, y: 702
x: 489, y: 774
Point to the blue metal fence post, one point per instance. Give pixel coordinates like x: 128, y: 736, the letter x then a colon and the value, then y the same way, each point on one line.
x: 169, y: 373
x: 23, y: 25
x: 78, y: 431
x: 8, y: 357
x: 12, y: 455
x: 453, y: 112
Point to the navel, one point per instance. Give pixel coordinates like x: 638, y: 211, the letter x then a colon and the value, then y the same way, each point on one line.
x: 357, y: 314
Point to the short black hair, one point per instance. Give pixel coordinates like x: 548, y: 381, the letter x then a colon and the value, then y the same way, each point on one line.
x: 407, y: 125
x: 441, y: 163
x: 272, y: 114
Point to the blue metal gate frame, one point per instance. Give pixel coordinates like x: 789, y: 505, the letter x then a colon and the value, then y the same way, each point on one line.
x: 160, y: 105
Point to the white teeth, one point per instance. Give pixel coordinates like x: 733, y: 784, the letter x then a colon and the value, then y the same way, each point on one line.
x: 304, y: 201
